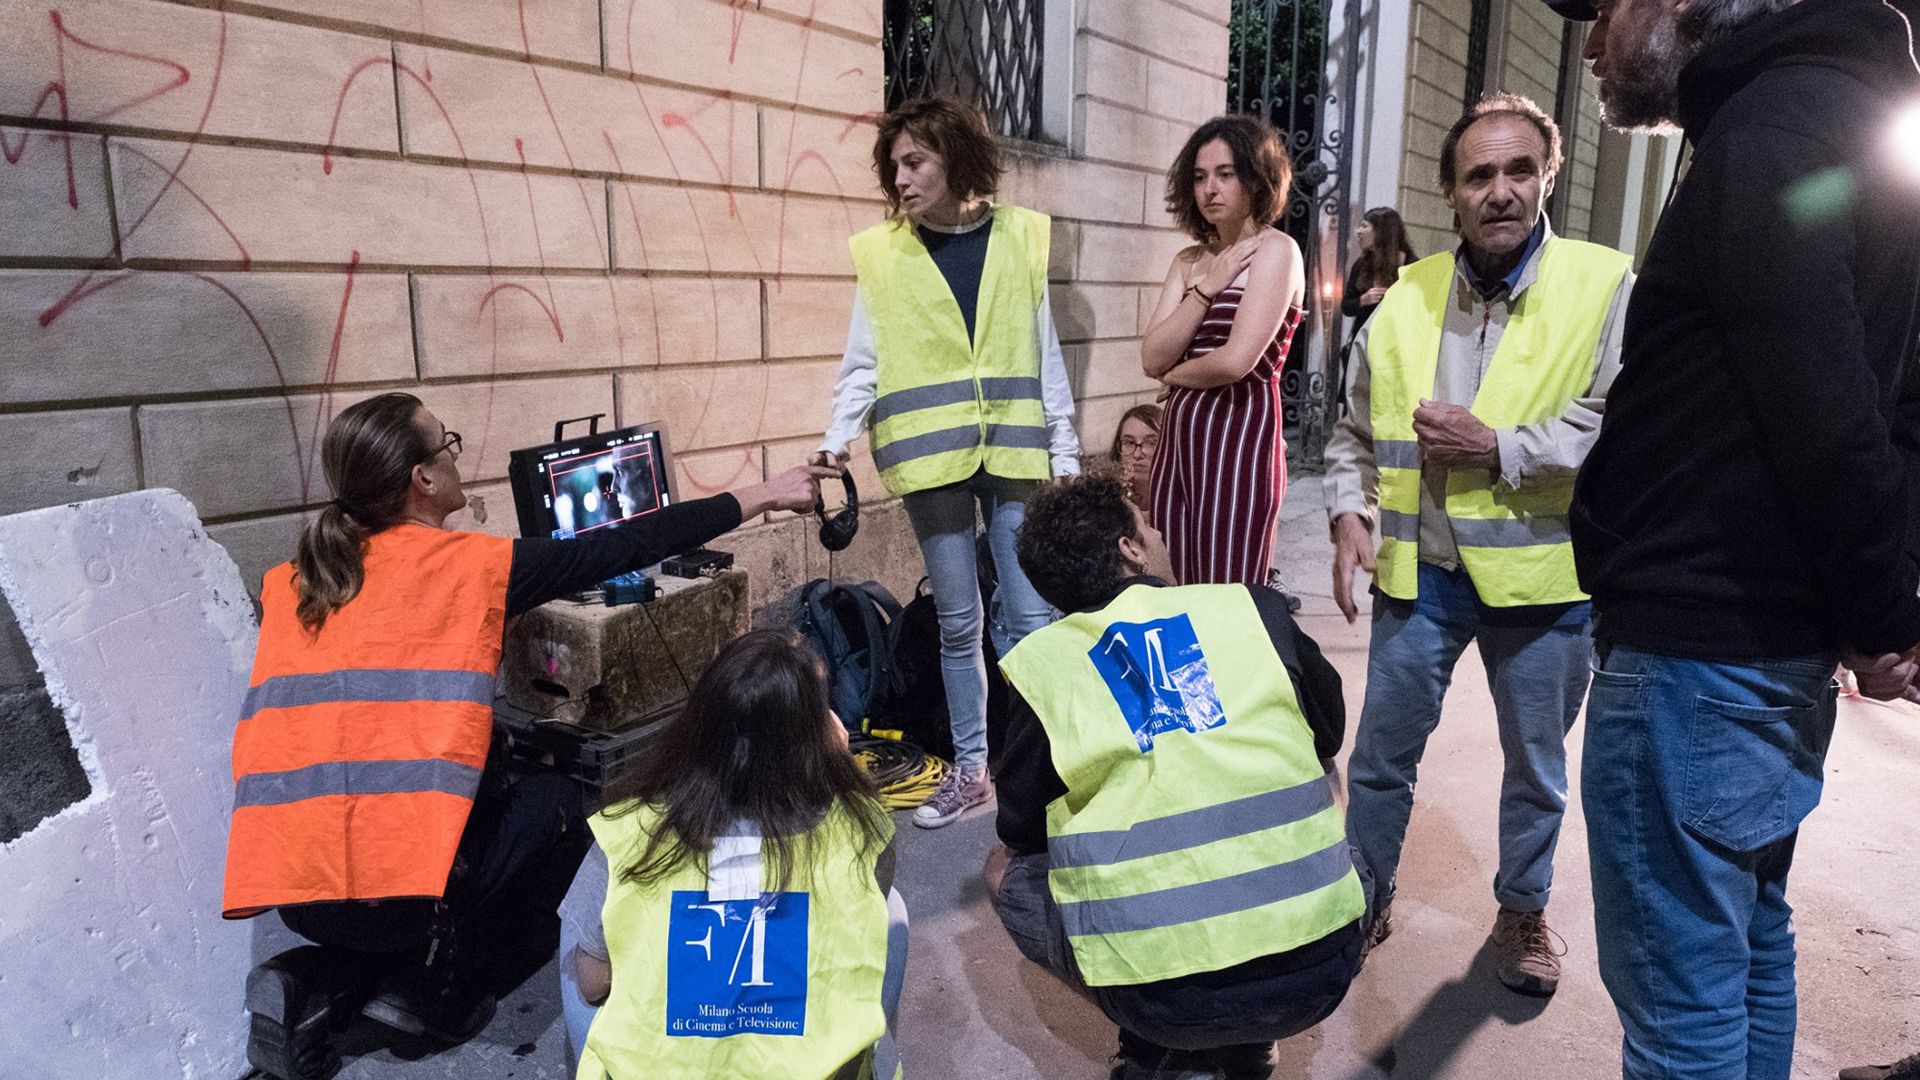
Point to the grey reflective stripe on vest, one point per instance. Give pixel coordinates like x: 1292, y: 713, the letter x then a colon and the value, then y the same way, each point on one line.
x: 1208, y: 899
x: 1396, y: 453
x: 1400, y: 525
x: 1510, y: 532
x: 1192, y: 828
x: 913, y: 398
x: 1019, y: 437
x: 356, y: 778
x: 1010, y: 388
x: 369, y: 684
x: 947, y: 440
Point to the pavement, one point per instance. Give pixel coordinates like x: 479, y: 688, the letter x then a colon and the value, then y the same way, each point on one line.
x: 1427, y: 1006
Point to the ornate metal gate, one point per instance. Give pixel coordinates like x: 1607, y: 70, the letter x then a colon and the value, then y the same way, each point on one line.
x: 984, y: 51
x: 1277, y: 68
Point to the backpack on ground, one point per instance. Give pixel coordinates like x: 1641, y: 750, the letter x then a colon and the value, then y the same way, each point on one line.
x: 852, y: 628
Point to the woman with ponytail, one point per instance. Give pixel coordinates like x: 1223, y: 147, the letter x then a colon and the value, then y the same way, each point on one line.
x: 364, y: 808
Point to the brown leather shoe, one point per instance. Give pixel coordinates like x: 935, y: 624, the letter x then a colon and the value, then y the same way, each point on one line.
x: 1529, y: 952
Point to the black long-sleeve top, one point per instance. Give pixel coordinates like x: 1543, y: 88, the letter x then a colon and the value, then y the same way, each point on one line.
x: 546, y: 569
x: 1027, y: 780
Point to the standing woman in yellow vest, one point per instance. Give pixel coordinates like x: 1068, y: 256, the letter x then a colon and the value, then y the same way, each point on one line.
x: 364, y: 810
x: 1218, y: 339
x: 732, y: 919
x: 954, y: 370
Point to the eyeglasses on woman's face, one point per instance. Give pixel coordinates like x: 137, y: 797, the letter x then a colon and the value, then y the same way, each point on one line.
x: 1131, y: 445
x: 452, y: 443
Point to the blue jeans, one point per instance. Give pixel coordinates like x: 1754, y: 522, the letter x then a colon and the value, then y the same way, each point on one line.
x: 943, y: 522
x: 1536, y: 660
x: 1696, y: 777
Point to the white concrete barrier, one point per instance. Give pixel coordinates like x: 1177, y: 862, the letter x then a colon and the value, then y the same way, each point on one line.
x: 114, y: 961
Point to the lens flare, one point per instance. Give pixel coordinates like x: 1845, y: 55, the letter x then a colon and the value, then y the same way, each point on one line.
x: 1906, y: 141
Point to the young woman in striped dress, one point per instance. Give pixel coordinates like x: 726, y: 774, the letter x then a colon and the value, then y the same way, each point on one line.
x: 1218, y: 339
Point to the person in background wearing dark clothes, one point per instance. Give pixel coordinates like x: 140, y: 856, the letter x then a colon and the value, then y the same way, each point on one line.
x: 1383, y: 251
x: 365, y: 809
x: 1747, y: 516
x: 1172, y: 741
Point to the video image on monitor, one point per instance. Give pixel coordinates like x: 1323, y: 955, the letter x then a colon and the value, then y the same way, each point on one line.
x: 597, y: 489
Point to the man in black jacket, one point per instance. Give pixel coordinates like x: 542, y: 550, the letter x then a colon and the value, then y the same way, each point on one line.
x: 1748, y: 516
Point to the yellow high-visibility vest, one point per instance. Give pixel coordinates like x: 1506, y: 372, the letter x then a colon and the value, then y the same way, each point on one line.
x: 1199, y: 829
x: 786, y: 986
x: 1514, y: 543
x: 944, y: 407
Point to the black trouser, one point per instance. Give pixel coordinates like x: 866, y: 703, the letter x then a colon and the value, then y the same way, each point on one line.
x: 522, y: 844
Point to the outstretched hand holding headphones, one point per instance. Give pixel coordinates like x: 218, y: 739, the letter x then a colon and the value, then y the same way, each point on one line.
x: 837, y: 532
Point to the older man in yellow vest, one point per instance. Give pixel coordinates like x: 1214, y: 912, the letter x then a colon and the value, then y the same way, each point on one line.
x: 1476, y: 391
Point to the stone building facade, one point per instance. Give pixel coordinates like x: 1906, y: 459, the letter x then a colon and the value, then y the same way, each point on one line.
x: 224, y: 222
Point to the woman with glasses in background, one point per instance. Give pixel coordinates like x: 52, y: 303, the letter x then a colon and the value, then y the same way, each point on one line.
x: 1135, y: 442
x: 365, y: 810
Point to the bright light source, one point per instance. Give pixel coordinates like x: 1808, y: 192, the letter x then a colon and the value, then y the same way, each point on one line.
x: 1327, y: 290
x: 1906, y: 140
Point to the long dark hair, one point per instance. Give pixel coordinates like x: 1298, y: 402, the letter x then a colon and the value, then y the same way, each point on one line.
x: 1258, y: 160
x: 368, y: 454
x: 950, y: 128
x: 752, y: 745
x: 1380, y: 263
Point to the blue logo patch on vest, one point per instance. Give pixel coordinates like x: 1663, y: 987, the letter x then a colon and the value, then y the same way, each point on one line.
x: 737, y: 967
x: 1159, y: 678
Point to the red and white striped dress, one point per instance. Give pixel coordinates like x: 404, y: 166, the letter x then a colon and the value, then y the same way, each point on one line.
x: 1222, y: 466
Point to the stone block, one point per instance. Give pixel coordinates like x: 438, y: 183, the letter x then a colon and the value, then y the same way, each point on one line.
x: 1109, y: 367
x: 66, y: 456
x: 715, y: 45
x: 257, y: 545
x: 1111, y: 71
x: 775, y: 560
x: 53, y: 195
x: 860, y: 18
x: 482, y: 108
x: 40, y: 774
x: 191, y: 446
x: 825, y: 155
x: 1111, y: 253
x: 237, y: 205
x: 1085, y: 312
x: 884, y: 551
x: 474, y: 325
x: 700, y: 473
x: 1149, y: 302
x: 170, y: 67
x: 1115, y: 134
x: 1161, y: 28
x: 808, y: 318
x: 732, y: 404
x: 1184, y: 95
x: 71, y: 335
x: 551, y: 29
x: 1082, y: 190
x: 118, y: 962
x: 701, y: 230
x: 611, y: 668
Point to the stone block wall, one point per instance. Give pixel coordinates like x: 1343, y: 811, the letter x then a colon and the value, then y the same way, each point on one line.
x: 225, y: 225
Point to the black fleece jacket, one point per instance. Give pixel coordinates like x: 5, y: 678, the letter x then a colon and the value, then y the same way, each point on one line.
x: 1755, y: 488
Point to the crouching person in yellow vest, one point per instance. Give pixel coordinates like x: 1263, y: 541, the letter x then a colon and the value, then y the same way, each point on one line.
x: 1171, y: 838
x: 735, y: 915
x: 1476, y: 392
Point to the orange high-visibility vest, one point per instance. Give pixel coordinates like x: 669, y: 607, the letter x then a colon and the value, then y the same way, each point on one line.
x: 359, y: 749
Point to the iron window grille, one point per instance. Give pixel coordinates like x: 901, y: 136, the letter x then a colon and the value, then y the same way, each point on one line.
x: 984, y: 51
x: 1479, y: 35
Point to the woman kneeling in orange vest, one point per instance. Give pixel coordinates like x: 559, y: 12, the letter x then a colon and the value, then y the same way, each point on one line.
x: 363, y: 806
x: 744, y: 928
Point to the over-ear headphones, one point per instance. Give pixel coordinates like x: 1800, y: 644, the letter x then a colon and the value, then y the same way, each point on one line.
x: 837, y: 532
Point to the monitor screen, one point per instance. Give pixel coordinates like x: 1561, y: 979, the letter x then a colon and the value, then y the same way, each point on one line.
x: 593, y: 482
